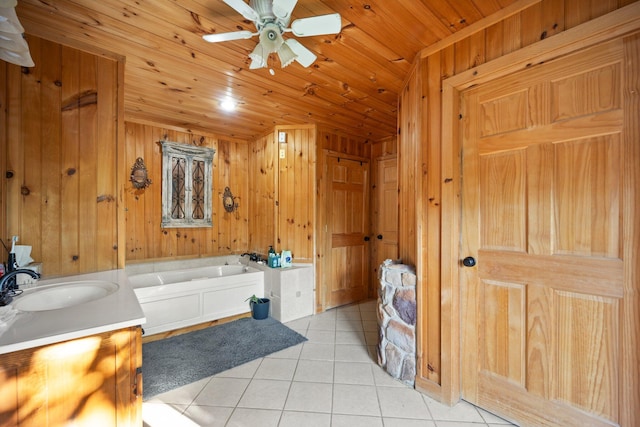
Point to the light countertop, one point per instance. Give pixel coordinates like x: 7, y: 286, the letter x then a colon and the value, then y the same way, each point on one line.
x: 37, y: 328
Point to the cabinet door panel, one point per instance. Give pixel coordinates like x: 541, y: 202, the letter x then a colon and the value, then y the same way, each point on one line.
x: 87, y: 382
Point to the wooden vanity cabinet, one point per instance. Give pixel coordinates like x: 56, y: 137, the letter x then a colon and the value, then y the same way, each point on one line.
x: 91, y: 381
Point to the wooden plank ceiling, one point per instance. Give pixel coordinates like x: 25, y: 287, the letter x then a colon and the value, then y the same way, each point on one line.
x: 174, y: 78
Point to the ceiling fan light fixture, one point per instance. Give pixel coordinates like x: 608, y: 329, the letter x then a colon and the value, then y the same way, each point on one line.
x: 258, y: 57
x: 271, y: 18
x: 286, y: 55
x: 303, y: 55
x: 271, y: 38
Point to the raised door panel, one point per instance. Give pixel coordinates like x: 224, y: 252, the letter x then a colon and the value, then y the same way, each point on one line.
x: 388, y: 210
x: 543, y: 175
x: 347, y: 226
x: 384, y: 218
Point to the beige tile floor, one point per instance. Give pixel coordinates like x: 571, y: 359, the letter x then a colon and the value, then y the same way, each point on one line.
x: 330, y: 380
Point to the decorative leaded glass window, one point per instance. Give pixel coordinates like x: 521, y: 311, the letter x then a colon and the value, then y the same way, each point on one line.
x: 186, y: 185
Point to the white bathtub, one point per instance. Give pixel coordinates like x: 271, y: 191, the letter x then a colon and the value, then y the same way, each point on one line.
x: 179, y: 298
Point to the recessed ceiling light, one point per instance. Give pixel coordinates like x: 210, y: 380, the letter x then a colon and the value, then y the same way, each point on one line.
x: 228, y: 104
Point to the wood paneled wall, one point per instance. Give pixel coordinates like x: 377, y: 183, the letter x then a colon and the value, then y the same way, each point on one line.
x: 145, y: 238
x: 343, y: 143
x: 282, y: 182
x: 69, y: 168
x: 384, y: 147
x: 284, y: 187
x: 423, y: 217
x: 296, y: 183
x: 58, y: 144
x: 263, y: 164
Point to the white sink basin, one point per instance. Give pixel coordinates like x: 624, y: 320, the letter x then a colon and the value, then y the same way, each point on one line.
x: 62, y: 295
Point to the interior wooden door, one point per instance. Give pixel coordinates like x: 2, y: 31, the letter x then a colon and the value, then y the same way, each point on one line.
x: 347, y: 276
x: 385, y: 214
x: 547, y: 214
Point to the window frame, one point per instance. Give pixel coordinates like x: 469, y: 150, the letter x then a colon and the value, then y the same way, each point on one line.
x: 189, y: 153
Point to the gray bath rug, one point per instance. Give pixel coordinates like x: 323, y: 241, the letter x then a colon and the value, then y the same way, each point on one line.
x: 183, y: 359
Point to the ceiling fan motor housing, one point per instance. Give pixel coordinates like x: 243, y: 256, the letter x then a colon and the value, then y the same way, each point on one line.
x: 271, y: 37
x: 264, y: 9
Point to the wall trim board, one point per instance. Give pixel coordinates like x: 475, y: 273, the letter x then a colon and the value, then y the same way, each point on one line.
x: 502, y: 14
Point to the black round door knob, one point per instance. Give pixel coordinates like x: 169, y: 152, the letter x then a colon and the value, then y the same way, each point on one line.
x: 366, y: 238
x: 379, y: 236
x: 469, y: 261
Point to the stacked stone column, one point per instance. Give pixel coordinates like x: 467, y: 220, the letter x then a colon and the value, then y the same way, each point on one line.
x: 397, y: 321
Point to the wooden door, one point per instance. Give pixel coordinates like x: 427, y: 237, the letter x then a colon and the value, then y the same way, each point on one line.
x: 346, y: 275
x: 385, y: 214
x: 547, y: 214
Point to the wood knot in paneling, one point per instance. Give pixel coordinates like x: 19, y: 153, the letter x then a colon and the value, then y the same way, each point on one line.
x: 196, y: 18
x: 105, y: 198
x: 80, y: 100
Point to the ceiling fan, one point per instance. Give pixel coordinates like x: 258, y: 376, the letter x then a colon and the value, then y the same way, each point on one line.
x: 271, y: 18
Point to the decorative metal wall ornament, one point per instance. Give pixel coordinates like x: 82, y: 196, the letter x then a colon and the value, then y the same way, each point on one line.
x: 139, y: 175
x: 228, y: 201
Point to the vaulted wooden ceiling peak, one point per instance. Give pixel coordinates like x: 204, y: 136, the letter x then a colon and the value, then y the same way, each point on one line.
x: 175, y: 78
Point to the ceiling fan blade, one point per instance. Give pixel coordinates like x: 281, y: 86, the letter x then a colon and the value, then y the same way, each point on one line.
x: 317, y: 25
x: 304, y: 56
x: 225, y: 37
x: 283, y: 8
x: 243, y: 9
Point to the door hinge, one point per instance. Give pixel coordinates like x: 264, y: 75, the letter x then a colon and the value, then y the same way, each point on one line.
x: 137, y: 383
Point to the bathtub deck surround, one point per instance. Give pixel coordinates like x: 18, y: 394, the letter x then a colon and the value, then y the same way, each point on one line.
x: 175, y: 299
x: 291, y: 290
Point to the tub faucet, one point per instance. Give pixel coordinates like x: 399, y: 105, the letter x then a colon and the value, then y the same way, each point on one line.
x: 252, y: 256
x: 8, y: 284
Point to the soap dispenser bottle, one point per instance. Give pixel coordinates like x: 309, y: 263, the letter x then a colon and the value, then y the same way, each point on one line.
x: 271, y: 257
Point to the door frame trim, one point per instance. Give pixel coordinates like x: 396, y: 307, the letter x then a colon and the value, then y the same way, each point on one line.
x: 613, y: 25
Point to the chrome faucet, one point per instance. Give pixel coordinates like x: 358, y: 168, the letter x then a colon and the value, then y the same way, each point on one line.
x: 8, y: 285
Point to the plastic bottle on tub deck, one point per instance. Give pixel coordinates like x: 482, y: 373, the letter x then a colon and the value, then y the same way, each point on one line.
x: 271, y: 259
x: 286, y: 260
